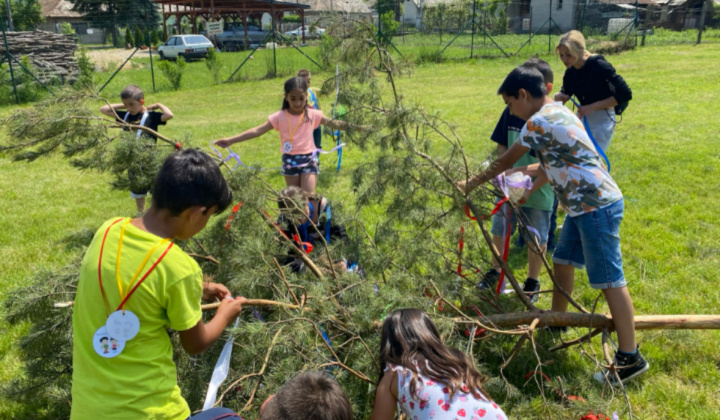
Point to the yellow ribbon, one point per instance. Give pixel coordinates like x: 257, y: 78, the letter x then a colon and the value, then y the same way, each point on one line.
x: 140, y: 268
x: 292, y: 133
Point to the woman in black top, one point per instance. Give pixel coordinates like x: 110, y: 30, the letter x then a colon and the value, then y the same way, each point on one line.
x: 601, y: 92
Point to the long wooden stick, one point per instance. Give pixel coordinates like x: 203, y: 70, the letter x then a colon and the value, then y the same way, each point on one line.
x: 569, y: 319
x: 213, y: 306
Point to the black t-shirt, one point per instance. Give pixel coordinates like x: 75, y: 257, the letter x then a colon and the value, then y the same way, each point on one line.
x: 594, y: 81
x: 507, y: 122
x: 152, y: 122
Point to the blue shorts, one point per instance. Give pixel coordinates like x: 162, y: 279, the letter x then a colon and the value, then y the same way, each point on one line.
x: 535, y: 218
x: 593, y: 240
x: 296, y: 165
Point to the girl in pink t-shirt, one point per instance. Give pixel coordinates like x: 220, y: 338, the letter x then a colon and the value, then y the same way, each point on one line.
x: 426, y: 378
x: 295, y: 122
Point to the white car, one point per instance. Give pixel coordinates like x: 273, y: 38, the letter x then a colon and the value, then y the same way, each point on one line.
x: 185, y: 46
x: 297, y: 33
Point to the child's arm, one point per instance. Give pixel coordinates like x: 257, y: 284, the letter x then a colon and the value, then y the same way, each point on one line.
x: 339, y: 124
x: 245, y: 135
x: 166, y: 113
x: 603, y: 104
x: 109, y: 110
x: 198, y: 338
x: 500, y: 165
x: 386, y: 397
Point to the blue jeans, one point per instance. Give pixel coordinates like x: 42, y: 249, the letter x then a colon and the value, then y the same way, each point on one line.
x: 535, y: 218
x: 592, y: 240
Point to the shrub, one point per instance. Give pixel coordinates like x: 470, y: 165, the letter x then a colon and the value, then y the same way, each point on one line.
x: 129, y: 37
x: 86, y: 77
x: 66, y: 28
x: 213, y: 64
x: 292, y: 19
x: 139, y: 37
x: 173, y: 71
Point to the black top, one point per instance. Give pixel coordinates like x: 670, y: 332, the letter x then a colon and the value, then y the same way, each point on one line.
x: 152, y: 122
x: 508, y: 122
x: 594, y: 81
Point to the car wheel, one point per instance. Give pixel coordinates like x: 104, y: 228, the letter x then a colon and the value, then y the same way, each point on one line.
x: 180, y: 55
x: 162, y: 55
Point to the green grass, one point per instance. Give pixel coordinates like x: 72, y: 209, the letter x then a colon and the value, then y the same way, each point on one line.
x: 663, y: 156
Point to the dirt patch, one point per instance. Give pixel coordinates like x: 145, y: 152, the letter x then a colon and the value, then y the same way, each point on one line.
x: 110, y: 59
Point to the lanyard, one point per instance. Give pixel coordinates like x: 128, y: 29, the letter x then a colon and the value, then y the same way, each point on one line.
x: 292, y: 132
x: 125, y: 295
x: 142, y: 121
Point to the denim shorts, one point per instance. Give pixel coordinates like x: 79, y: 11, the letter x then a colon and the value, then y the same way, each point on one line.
x: 535, y: 218
x: 593, y: 240
x: 295, y: 165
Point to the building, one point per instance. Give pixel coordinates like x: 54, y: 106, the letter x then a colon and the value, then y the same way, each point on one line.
x: 57, y: 12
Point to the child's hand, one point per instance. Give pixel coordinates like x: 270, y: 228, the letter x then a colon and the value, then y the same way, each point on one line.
x: 463, y: 185
x: 561, y: 97
x: 223, y: 143
x: 214, y: 290
x: 231, y: 308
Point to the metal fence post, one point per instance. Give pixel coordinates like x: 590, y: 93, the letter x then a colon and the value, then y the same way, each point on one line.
x: 9, y: 60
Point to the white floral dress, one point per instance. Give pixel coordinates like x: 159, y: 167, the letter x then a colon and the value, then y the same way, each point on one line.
x: 432, y: 401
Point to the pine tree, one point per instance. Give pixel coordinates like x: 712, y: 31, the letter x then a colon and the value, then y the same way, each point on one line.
x: 317, y: 318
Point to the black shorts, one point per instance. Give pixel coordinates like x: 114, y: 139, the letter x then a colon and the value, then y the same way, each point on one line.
x: 295, y: 165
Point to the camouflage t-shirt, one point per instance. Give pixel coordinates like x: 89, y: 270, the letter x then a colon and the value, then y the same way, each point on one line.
x: 566, y: 153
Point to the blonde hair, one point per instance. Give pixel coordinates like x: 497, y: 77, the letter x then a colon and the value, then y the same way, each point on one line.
x: 574, y: 41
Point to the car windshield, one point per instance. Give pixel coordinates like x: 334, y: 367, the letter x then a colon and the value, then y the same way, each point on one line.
x: 197, y: 39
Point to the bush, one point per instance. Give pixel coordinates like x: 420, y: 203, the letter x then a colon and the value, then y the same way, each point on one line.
x: 155, y: 38
x: 173, y: 71
x: 86, y: 77
x: 213, y: 64
x: 139, y: 37
x: 129, y: 37
x: 67, y: 29
x: 292, y: 19
x: 28, y: 90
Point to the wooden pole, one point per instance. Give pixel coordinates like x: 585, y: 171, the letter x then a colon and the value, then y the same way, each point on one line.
x: 573, y: 319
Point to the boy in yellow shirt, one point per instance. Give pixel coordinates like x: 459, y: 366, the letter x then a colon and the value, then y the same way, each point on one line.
x: 134, y: 285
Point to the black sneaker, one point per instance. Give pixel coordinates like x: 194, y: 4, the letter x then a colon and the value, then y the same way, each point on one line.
x: 531, y: 287
x: 489, y: 280
x: 628, y: 367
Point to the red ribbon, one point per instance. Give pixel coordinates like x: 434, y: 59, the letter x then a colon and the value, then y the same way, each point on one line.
x: 234, y: 211
x: 102, y: 290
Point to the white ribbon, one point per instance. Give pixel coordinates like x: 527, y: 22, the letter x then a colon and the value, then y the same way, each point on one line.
x: 222, y: 367
x: 142, y: 121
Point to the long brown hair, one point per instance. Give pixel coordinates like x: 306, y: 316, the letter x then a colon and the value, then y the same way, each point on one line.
x: 411, y: 340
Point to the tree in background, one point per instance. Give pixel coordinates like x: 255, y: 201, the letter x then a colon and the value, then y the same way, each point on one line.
x: 139, y: 37
x: 26, y: 14
x: 109, y: 15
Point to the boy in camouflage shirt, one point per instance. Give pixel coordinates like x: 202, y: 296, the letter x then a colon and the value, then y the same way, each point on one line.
x: 591, y: 198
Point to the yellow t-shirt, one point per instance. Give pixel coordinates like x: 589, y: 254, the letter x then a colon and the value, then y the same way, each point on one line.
x: 141, y: 382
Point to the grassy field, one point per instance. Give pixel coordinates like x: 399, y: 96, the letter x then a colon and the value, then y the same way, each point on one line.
x: 663, y: 157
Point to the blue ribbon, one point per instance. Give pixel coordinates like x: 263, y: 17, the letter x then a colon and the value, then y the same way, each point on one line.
x: 587, y: 128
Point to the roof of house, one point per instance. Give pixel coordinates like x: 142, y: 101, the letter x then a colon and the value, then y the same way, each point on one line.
x: 347, y: 6
x: 58, y: 9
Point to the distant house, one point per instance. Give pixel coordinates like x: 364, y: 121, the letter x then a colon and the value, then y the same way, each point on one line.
x: 413, y: 10
x: 57, y: 12
x: 354, y: 9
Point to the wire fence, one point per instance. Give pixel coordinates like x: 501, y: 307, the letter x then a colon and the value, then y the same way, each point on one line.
x: 439, y: 30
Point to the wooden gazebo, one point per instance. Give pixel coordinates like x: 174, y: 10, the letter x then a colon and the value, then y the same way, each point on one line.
x: 233, y: 9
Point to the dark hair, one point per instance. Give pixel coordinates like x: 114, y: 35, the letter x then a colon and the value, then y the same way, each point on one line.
x: 526, y: 78
x: 132, y: 92
x: 292, y: 84
x: 310, y: 395
x: 104, y: 338
x: 411, y: 340
x: 190, y: 178
x: 540, y: 65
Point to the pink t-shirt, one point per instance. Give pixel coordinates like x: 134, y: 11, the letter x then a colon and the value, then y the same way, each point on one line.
x: 302, y: 136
